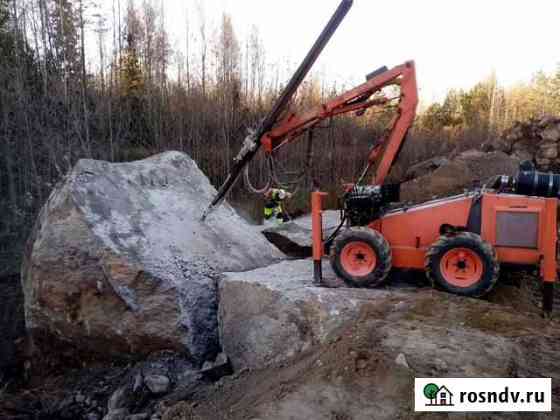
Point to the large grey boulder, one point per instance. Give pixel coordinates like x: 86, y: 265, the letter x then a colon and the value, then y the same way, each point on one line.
x: 120, y: 263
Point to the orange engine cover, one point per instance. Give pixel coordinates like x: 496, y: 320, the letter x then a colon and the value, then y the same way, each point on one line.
x: 522, y: 229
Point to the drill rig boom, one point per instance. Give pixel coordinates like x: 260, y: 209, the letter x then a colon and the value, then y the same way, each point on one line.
x: 359, y: 100
x: 253, y: 141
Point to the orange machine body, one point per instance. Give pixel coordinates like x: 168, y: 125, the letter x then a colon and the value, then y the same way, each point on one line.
x: 522, y: 229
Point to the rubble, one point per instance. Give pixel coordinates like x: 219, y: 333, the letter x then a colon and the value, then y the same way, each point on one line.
x: 119, y: 263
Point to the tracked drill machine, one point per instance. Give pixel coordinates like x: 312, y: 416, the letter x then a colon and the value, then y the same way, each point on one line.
x: 458, y: 241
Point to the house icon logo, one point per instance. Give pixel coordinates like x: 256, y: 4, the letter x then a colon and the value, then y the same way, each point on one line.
x: 439, y: 396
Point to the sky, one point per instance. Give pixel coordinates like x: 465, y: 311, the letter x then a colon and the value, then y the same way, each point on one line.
x: 455, y: 43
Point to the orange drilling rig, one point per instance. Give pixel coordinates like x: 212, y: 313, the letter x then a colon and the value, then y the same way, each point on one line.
x: 458, y: 241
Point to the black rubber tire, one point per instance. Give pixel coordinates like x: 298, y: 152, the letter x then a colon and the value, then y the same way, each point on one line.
x: 379, y: 245
x: 472, y: 241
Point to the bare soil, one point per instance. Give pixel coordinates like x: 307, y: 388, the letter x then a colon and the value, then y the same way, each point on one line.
x: 334, y: 381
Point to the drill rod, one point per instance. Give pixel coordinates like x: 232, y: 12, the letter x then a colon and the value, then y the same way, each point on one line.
x: 248, y: 153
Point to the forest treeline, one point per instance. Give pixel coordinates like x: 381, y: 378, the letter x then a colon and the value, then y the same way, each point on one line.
x: 141, y: 96
x: 467, y: 118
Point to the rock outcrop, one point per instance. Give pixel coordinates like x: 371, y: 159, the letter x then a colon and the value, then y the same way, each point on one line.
x: 271, y: 314
x: 120, y: 264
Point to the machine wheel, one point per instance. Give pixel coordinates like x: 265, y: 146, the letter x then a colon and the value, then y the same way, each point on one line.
x: 463, y: 264
x: 361, y: 257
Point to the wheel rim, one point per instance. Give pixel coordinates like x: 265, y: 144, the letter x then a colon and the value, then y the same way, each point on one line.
x: 358, y: 259
x: 461, y: 267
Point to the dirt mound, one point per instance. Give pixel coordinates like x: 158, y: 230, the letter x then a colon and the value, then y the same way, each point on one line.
x: 468, y: 169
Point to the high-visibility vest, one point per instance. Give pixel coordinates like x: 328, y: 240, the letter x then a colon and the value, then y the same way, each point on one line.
x: 273, y: 207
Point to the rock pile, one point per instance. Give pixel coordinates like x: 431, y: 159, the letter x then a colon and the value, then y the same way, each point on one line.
x: 535, y: 140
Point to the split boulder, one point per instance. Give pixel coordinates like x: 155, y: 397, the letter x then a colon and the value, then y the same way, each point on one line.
x: 119, y: 262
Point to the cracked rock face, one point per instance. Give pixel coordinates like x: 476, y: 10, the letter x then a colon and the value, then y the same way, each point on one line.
x: 119, y: 262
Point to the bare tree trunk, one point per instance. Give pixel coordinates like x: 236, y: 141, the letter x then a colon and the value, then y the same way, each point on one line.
x: 44, y: 18
x: 203, y: 46
x: 84, y: 79
x: 9, y: 162
x: 187, y: 52
x: 120, y: 29
x: 34, y: 180
x: 64, y: 57
x: 101, y: 40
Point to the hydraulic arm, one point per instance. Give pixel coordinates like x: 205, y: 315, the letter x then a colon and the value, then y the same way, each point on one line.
x: 358, y: 100
x: 253, y: 142
x: 273, y: 134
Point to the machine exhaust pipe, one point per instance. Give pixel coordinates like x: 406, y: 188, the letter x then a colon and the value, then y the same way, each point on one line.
x: 531, y: 183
